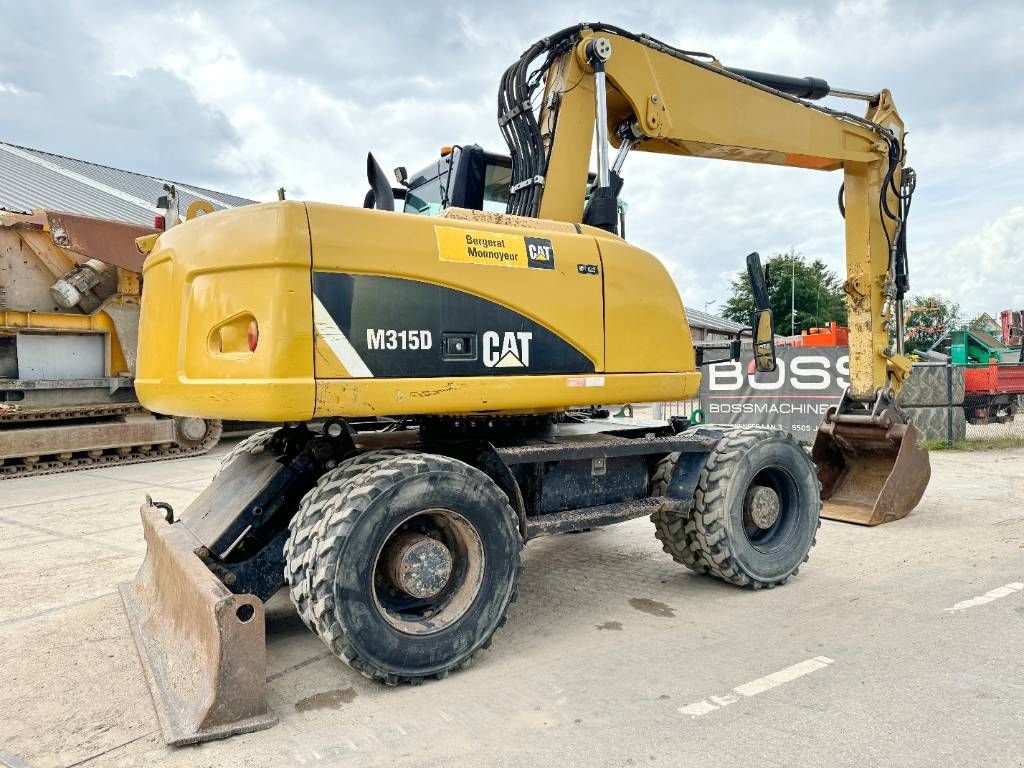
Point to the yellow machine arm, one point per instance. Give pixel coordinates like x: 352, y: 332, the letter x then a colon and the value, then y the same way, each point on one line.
x: 637, y: 93
x: 665, y: 101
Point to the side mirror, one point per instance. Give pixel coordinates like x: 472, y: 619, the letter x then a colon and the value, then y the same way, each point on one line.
x: 764, y: 341
x: 761, y: 326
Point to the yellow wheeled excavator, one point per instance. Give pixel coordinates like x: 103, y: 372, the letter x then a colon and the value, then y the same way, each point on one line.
x: 446, y: 357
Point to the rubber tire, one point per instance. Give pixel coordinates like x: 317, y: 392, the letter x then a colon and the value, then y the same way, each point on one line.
x: 254, y: 444
x: 672, y: 520
x: 355, y: 522
x: 716, y: 525
x: 927, y: 386
x: 933, y: 423
x: 304, y: 525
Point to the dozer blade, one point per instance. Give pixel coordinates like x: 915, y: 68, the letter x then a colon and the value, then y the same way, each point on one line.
x: 202, y: 647
x: 870, y: 473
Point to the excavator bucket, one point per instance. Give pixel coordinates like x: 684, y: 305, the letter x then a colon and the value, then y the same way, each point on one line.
x: 870, y: 473
x: 202, y: 647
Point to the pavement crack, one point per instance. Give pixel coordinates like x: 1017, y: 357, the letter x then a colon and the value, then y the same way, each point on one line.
x: 300, y: 665
x: 56, y: 609
x: 89, y: 759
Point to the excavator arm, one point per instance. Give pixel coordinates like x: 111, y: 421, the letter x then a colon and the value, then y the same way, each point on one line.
x: 639, y: 94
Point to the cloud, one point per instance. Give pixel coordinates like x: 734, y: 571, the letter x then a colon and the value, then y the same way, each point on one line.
x: 61, y: 96
x: 247, y: 98
x: 983, y: 268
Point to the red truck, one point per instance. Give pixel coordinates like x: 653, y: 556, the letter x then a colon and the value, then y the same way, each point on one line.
x: 993, y: 392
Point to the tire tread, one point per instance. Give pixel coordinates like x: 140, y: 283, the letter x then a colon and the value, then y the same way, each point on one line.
x: 327, y: 514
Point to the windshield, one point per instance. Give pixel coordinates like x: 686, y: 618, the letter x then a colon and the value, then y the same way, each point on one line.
x: 497, y: 180
x: 469, y: 177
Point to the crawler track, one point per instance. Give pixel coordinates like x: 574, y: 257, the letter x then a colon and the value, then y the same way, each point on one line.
x: 53, y: 464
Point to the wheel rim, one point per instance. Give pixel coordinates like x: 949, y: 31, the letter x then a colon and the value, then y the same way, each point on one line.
x: 771, y: 509
x: 428, y: 572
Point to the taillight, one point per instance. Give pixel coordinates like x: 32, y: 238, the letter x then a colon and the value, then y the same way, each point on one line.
x: 253, y: 335
x: 159, y: 222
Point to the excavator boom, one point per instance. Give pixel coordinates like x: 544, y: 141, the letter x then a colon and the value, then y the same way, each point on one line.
x: 640, y: 94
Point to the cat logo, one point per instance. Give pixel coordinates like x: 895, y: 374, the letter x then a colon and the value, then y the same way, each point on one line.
x: 510, y: 349
x: 540, y: 254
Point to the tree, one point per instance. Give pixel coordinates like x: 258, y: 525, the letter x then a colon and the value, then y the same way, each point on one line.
x: 928, y: 319
x: 819, y: 294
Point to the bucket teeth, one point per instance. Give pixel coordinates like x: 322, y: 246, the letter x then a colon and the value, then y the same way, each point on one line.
x: 202, y: 648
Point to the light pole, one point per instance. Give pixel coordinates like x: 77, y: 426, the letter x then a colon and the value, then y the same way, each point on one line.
x: 792, y: 300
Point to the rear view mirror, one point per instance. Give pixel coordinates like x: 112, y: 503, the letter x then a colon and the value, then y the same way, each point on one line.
x: 761, y: 327
x: 764, y: 341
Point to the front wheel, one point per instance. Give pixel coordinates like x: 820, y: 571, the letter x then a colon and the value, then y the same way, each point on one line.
x: 756, y: 509
x: 414, y: 568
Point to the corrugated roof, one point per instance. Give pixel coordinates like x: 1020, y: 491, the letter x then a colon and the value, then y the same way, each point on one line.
x: 698, y: 319
x: 31, y: 178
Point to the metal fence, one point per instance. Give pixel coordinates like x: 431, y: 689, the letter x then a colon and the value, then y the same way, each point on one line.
x: 994, y: 419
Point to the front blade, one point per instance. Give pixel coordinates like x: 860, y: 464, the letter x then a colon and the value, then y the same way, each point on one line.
x: 202, y: 648
x: 870, y: 474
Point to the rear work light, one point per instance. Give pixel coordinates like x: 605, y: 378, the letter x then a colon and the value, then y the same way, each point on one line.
x: 253, y: 335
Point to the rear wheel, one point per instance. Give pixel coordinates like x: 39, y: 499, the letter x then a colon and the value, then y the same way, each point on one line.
x: 756, y: 508
x: 305, y: 525
x: 414, y: 567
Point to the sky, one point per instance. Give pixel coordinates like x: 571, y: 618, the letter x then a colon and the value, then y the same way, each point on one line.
x: 245, y: 97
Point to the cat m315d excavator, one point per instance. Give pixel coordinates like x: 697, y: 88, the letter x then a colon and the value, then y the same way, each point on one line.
x: 447, y: 357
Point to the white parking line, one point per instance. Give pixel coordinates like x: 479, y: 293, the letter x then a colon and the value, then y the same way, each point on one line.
x: 755, y: 687
x: 988, y: 597
x: 698, y: 709
x: 786, y: 675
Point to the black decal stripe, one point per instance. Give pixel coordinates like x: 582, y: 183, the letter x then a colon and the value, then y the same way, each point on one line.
x: 359, y: 303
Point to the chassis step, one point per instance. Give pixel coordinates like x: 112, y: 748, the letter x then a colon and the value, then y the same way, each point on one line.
x: 592, y: 517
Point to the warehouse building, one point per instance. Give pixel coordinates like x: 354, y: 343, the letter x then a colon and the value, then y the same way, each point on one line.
x: 705, y: 327
x: 30, y: 178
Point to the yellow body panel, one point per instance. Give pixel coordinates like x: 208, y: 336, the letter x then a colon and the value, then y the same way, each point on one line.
x: 371, y: 242
x: 206, y: 278
x: 645, y: 322
x: 492, y: 394
x: 201, y: 275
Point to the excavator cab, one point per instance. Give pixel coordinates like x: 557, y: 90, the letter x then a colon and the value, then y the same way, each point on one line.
x: 469, y: 177
x: 462, y: 177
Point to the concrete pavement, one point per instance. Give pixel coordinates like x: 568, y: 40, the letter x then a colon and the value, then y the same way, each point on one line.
x: 898, y: 645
